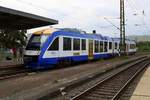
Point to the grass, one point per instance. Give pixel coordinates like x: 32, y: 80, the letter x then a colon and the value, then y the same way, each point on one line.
x: 123, y: 57
x: 115, y: 58
x: 101, y: 60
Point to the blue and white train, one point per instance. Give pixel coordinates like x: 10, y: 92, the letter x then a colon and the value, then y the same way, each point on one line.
x: 50, y: 47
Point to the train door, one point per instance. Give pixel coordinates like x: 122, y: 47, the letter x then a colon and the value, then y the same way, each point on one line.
x: 127, y: 47
x: 90, y: 50
x: 113, y: 47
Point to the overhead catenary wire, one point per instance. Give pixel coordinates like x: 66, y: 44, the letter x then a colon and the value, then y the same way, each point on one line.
x: 131, y: 3
x: 38, y: 6
x: 134, y: 7
x: 112, y: 23
x: 31, y: 4
x: 133, y: 11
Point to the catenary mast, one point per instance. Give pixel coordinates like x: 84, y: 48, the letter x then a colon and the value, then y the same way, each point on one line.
x: 122, y: 28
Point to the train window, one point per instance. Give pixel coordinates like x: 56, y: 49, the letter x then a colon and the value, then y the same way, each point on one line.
x: 96, y: 46
x: 110, y: 45
x: 118, y: 45
x: 54, y: 45
x: 105, y: 46
x: 132, y: 46
x: 115, y: 45
x: 101, y: 46
x: 83, y: 46
x: 66, y: 43
x: 76, y: 44
x: 36, y: 42
x: 36, y: 39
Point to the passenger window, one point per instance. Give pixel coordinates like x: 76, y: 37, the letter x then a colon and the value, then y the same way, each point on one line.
x: 101, y: 46
x: 110, y: 45
x: 132, y: 46
x: 55, y: 45
x: 115, y: 45
x: 83, y: 44
x: 66, y: 43
x: 105, y: 46
x: 96, y: 46
x: 76, y: 44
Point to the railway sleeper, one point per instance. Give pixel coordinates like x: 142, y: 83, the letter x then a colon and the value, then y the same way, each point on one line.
x: 99, y: 96
x: 105, y: 93
x: 110, y: 85
x: 108, y: 88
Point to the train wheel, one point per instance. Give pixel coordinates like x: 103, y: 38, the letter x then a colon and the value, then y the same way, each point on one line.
x: 68, y: 62
x: 61, y: 63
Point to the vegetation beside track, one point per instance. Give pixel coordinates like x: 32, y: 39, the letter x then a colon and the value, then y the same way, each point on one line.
x: 5, y: 54
x: 116, y: 58
x: 143, y: 46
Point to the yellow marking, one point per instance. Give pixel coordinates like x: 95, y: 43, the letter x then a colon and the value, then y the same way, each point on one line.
x: 76, y: 53
x: 45, y: 31
x: 90, y: 51
x: 90, y: 57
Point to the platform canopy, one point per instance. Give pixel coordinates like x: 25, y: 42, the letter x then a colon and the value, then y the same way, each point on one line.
x: 14, y: 19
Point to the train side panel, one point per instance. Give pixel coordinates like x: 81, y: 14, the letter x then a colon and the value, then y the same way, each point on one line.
x: 63, y: 46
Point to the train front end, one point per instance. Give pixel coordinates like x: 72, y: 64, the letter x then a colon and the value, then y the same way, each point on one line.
x: 33, y: 49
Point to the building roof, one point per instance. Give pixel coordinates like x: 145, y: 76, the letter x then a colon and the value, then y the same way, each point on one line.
x: 14, y: 19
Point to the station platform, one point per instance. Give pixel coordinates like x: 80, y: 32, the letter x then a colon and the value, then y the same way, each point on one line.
x: 142, y: 91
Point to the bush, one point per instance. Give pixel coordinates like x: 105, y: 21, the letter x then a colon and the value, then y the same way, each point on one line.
x: 143, y: 46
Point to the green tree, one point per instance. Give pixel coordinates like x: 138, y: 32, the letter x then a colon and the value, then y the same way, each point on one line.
x: 12, y: 38
x: 143, y: 46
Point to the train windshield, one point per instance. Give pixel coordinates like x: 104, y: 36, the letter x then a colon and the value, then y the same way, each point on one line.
x: 36, y: 42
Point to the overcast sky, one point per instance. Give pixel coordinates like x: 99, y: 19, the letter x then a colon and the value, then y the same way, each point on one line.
x: 89, y: 15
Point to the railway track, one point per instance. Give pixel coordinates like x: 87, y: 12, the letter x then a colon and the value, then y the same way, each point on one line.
x: 19, y: 72
x: 73, y: 88
x: 11, y: 72
x: 112, y: 86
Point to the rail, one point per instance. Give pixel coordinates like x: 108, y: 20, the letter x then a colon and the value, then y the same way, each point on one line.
x: 111, y: 87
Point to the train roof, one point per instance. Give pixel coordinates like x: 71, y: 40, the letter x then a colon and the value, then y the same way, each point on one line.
x: 70, y: 32
x: 116, y: 39
x: 45, y: 31
x: 82, y: 34
x: 78, y: 33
